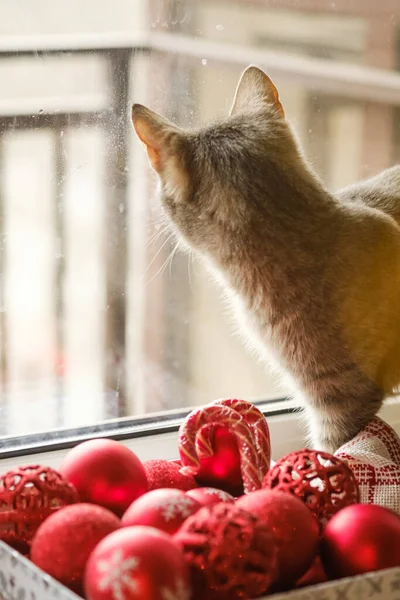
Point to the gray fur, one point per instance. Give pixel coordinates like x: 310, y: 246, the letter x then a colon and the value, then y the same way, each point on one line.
x: 287, y: 252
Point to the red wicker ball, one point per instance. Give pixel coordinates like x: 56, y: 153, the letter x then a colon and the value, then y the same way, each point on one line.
x: 166, y: 474
x: 322, y: 481
x: 28, y: 495
x: 230, y: 552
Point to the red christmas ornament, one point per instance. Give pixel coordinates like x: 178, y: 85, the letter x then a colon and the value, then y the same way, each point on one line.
x: 137, y: 563
x: 105, y: 472
x: 166, y: 474
x: 28, y: 495
x: 63, y: 543
x: 226, y: 445
x: 315, y: 574
x: 222, y: 469
x: 209, y: 495
x: 359, y: 539
x: 322, y: 481
x: 230, y: 552
x: 165, y: 509
x: 295, y: 529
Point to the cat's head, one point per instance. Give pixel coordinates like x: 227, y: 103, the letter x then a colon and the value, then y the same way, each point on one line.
x: 215, y: 181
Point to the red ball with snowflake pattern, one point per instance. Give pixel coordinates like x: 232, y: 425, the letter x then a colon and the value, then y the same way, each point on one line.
x: 166, y: 509
x: 209, y: 495
x: 139, y: 563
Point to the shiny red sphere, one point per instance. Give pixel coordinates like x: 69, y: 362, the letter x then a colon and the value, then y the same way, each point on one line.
x: 209, y: 495
x: 359, y: 539
x: 105, y: 472
x: 294, y: 527
x: 63, y: 543
x: 165, y: 509
x: 222, y: 470
x: 137, y: 563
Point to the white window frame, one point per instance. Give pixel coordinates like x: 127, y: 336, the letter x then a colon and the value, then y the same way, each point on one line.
x: 355, y: 81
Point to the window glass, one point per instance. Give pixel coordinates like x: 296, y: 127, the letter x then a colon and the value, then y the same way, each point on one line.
x: 100, y: 317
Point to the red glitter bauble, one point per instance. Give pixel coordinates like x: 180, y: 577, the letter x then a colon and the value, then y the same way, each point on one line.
x: 28, y: 495
x: 322, y: 481
x: 63, y: 543
x: 137, y: 563
x: 166, y: 474
x: 295, y: 529
x: 105, y: 472
x: 223, y: 468
x: 360, y: 539
x: 209, y: 495
x: 165, y: 509
x: 229, y: 551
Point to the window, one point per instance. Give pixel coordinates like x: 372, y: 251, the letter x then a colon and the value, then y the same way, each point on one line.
x: 104, y: 328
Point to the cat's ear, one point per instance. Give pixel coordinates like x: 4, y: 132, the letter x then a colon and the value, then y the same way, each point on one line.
x: 156, y: 133
x: 254, y: 89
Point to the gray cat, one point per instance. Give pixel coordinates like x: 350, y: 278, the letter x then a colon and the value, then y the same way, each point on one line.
x: 314, y: 278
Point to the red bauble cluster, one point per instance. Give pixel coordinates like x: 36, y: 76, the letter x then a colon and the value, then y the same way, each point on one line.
x: 322, y: 481
x: 230, y: 552
x: 28, y: 495
x: 180, y: 541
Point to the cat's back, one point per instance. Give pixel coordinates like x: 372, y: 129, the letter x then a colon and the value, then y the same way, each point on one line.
x: 366, y: 268
x: 381, y: 192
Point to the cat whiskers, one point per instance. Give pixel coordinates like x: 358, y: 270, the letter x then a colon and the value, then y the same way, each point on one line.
x: 165, y: 242
x: 166, y: 262
x: 162, y: 230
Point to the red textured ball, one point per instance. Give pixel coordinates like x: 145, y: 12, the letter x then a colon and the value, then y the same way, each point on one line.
x: 105, y: 472
x: 359, y: 539
x: 63, y: 543
x: 322, y: 481
x: 229, y: 551
x: 165, y: 509
x: 295, y: 529
x: 28, y: 495
x: 209, y: 495
x: 137, y: 563
x: 166, y: 474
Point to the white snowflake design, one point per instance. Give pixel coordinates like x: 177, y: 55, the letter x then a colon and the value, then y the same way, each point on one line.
x: 181, y: 592
x: 224, y: 496
x: 174, y: 508
x: 116, y: 573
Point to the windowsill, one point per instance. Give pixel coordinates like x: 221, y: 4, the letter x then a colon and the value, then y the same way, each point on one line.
x: 150, y: 440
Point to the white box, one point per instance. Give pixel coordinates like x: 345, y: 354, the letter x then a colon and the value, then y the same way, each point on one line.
x: 21, y: 580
